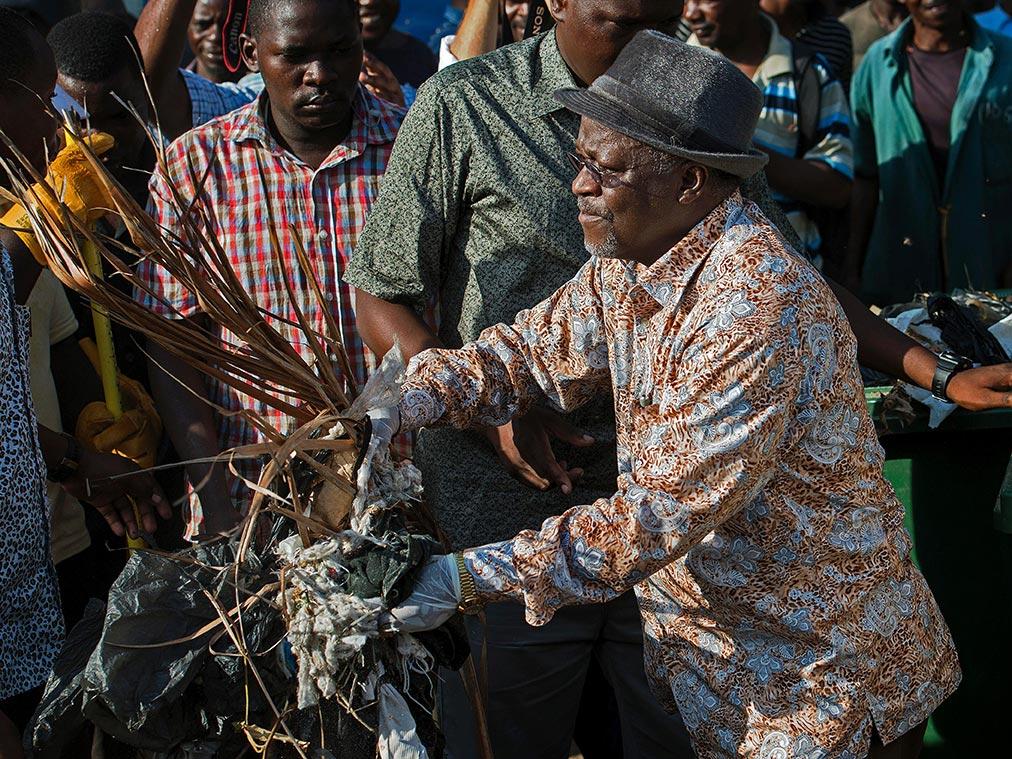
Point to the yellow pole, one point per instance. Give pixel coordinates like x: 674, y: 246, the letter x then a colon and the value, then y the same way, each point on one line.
x: 103, y: 339
x: 108, y: 370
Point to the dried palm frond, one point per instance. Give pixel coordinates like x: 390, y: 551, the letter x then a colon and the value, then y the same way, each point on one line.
x: 302, y: 531
x: 266, y: 366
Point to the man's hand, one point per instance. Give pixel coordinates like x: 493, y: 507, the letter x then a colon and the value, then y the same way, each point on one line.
x: 377, y: 77
x: 982, y: 388
x: 524, y: 447
x: 433, y: 600
x: 115, y: 498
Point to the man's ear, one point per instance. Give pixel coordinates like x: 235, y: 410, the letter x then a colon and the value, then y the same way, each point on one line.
x: 248, y: 48
x: 694, y: 179
x: 558, y: 8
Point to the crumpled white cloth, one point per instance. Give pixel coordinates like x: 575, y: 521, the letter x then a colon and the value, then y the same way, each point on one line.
x: 398, y: 738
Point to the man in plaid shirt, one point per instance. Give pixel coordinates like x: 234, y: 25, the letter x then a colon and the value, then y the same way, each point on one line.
x: 323, y: 142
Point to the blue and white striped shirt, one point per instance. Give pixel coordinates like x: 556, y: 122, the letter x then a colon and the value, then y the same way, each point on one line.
x: 779, y: 129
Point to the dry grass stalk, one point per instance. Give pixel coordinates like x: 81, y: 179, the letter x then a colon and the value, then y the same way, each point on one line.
x: 308, y: 477
x: 267, y: 367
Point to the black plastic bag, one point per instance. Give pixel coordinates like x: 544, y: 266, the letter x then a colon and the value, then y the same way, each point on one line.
x: 58, y: 720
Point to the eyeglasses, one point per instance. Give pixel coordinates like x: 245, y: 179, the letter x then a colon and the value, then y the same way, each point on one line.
x: 606, y: 178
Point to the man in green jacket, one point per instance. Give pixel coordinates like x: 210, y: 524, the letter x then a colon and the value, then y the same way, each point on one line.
x: 932, y: 131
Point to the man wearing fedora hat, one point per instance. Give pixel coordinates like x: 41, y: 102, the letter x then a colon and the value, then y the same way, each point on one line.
x: 782, y: 614
x: 475, y: 217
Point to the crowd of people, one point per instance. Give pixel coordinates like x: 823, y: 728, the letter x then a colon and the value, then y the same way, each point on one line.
x: 629, y: 247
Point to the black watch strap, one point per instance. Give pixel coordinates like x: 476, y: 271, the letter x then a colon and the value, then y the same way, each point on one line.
x: 67, y: 467
x: 949, y: 364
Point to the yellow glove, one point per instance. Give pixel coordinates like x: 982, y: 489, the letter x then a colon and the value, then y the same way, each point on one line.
x: 135, y: 434
x: 72, y: 180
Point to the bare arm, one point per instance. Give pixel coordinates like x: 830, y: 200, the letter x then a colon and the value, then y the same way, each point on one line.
x: 882, y: 347
x: 477, y: 32
x: 381, y: 323
x: 863, y: 205
x: 814, y: 181
x: 188, y: 418
x: 161, y: 34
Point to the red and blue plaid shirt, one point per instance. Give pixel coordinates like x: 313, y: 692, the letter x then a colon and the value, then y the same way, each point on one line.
x: 325, y: 207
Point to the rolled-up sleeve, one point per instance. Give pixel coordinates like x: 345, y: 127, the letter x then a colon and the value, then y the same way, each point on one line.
x: 411, y: 225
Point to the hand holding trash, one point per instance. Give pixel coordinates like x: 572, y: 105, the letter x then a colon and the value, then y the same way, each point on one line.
x: 115, y: 487
x: 434, y: 598
x: 384, y: 423
x: 74, y: 182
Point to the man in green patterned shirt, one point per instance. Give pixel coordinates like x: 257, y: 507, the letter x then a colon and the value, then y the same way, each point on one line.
x: 476, y: 217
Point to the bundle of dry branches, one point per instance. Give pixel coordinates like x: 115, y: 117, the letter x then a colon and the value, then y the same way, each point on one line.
x: 267, y: 366
x: 309, y: 475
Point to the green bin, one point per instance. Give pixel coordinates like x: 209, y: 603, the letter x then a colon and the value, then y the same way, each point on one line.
x: 955, y: 485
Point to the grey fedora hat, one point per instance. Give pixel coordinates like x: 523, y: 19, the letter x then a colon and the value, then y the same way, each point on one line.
x: 681, y: 99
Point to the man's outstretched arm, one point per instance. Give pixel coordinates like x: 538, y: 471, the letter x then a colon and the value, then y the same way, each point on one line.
x: 882, y: 347
x: 703, y: 458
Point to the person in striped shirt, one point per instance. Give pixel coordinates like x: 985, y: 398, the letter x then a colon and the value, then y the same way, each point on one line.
x: 811, y: 28
x: 324, y: 142
x: 808, y: 173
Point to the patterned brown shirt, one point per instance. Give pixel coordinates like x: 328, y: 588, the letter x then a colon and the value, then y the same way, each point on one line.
x: 782, y: 614
x: 477, y: 217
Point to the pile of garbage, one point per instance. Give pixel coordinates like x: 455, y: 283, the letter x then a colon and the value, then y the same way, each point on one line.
x: 971, y: 323
x: 271, y: 637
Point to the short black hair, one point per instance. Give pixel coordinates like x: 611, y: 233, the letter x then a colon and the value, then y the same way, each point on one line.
x: 94, y: 46
x: 19, y: 42
x: 259, y: 11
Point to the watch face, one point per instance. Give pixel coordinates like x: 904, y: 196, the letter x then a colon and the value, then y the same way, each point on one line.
x: 956, y: 361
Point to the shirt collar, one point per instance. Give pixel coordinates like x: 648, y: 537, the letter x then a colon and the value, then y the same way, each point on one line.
x: 895, y: 49
x: 374, y: 122
x: 779, y: 55
x: 551, y: 74
x: 664, y: 278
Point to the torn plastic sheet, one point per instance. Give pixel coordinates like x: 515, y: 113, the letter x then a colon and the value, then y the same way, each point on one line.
x: 155, y: 696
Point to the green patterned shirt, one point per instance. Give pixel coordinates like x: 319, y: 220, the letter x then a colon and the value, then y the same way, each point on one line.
x: 476, y: 215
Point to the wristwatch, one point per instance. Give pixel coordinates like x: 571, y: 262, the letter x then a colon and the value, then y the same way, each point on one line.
x: 67, y: 467
x: 949, y: 364
x: 470, y: 602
